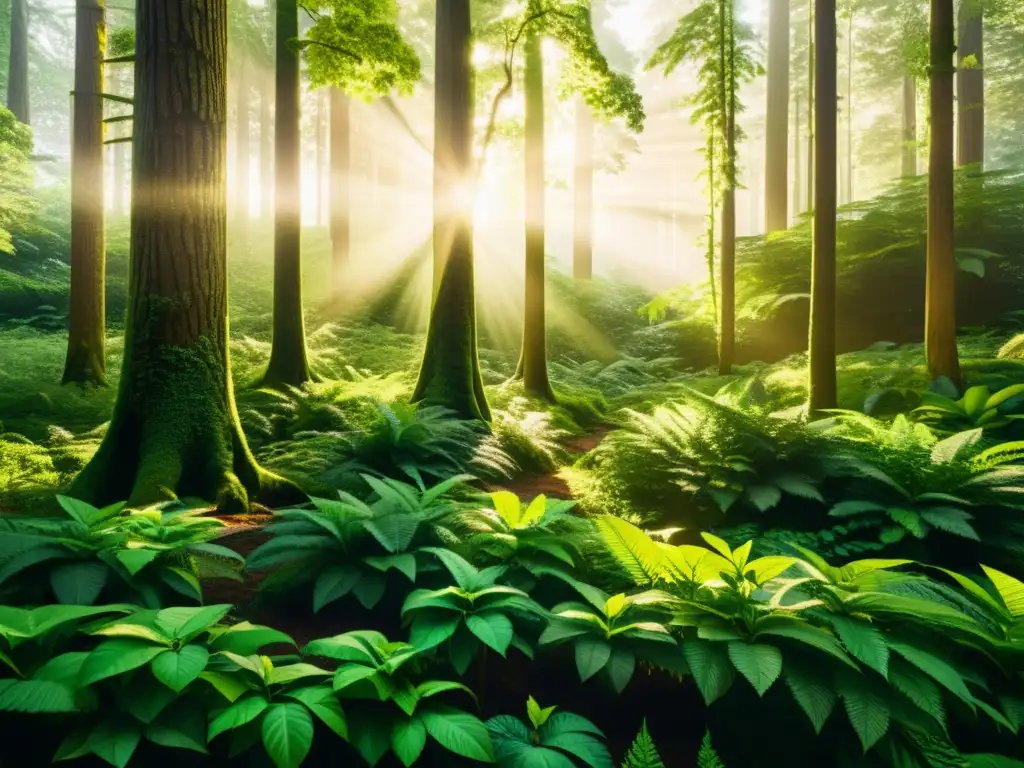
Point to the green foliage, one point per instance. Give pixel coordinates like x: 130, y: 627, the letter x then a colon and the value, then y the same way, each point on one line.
x: 17, y: 205
x: 550, y: 738
x: 348, y: 547
x: 395, y: 705
x: 643, y: 753
x: 707, y: 757
x: 979, y: 407
x: 356, y: 46
x: 143, y: 555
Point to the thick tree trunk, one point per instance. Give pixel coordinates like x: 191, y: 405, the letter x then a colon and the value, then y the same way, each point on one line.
x: 175, y: 429
x: 583, y: 194
x: 266, y: 153
x: 85, y: 363
x: 909, y: 153
x: 341, y: 163
x: 17, y: 73
x: 450, y: 373
x: 727, y: 306
x: 534, y: 358
x: 776, y: 169
x: 970, y: 86
x: 242, y: 143
x: 288, y: 363
x: 940, y: 283
x: 822, y: 342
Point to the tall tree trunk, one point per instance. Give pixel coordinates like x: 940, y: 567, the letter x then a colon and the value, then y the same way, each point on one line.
x: 849, y: 109
x: 583, y: 194
x: 798, y: 192
x: 940, y: 283
x: 341, y: 163
x: 776, y: 168
x: 17, y: 73
x: 288, y: 362
x: 727, y: 307
x: 970, y: 85
x: 709, y: 255
x: 266, y: 153
x: 120, y: 180
x: 242, y: 143
x: 534, y: 359
x: 450, y: 373
x: 812, y: 105
x: 322, y: 162
x: 85, y: 362
x: 909, y: 154
x: 822, y: 341
x: 175, y: 429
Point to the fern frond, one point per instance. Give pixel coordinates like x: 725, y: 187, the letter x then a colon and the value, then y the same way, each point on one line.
x: 643, y: 753
x: 707, y: 757
x: 633, y: 549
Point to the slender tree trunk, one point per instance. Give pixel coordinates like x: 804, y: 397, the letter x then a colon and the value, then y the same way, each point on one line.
x: 822, y: 343
x: 727, y: 318
x: 17, y: 73
x: 119, y: 198
x: 798, y: 193
x: 85, y: 362
x: 288, y: 362
x: 909, y: 154
x: 970, y: 85
x: 940, y: 291
x: 812, y: 105
x: 534, y: 358
x: 776, y: 170
x: 266, y: 153
x: 849, y: 109
x: 583, y: 194
x: 709, y: 255
x: 242, y: 143
x: 341, y: 162
x: 450, y: 373
x: 175, y: 429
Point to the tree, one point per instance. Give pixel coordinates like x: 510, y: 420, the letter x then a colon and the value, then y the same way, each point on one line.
x: 710, y: 36
x: 583, y: 193
x: 17, y: 73
x: 85, y: 363
x: 175, y: 429
x: 822, y: 341
x: 450, y: 372
x: 940, y: 288
x: 776, y: 170
x: 970, y: 84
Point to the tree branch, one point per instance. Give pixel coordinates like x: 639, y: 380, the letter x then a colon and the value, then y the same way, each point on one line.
x: 307, y: 42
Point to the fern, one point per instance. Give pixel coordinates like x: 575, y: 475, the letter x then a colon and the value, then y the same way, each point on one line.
x: 643, y: 753
x: 707, y: 757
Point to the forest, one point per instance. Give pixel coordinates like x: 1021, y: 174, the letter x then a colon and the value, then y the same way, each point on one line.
x: 536, y: 383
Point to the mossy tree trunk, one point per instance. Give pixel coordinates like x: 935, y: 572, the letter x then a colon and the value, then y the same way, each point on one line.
x: 776, y: 169
x: 450, y: 372
x: 727, y: 305
x: 583, y: 194
x: 288, y: 362
x: 970, y: 84
x: 822, y: 342
x: 17, y: 72
x: 534, y: 355
x: 908, y: 157
x: 341, y: 161
x: 85, y: 363
x: 940, y: 282
x: 175, y: 429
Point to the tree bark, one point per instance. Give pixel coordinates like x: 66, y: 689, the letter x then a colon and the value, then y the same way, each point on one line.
x: 266, y: 153
x: 822, y: 342
x: 909, y: 153
x: 940, y: 282
x: 242, y: 142
x: 450, y: 373
x: 583, y: 194
x: 341, y: 163
x: 85, y: 363
x: 175, y: 429
x: 534, y: 358
x: 17, y: 73
x: 776, y: 171
x: 288, y: 365
x: 727, y: 306
x: 970, y: 86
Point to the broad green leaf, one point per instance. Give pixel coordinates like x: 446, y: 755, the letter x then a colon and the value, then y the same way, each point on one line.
x: 430, y: 688
x: 493, y: 629
x: 369, y: 590
x: 718, y: 544
x: 868, y: 713
x: 616, y: 604
x: 430, y: 630
x: 508, y: 507
x: 246, y: 639
x: 227, y: 685
x: 809, y: 634
x: 534, y: 511
x: 79, y: 583
x: 634, y: 550
x: 462, y: 570
x: 37, y: 696
x: 941, y: 672
x: 243, y: 711
x: 1010, y: 590
x: 568, y: 722
x: 333, y: 584
x: 863, y: 641
x: 114, y: 657
x: 458, y: 732
x: 409, y: 736
x: 135, y: 630
x: 404, y: 563
x: 287, y: 731
x: 764, y: 497
x: 814, y: 696
x: 350, y: 674
x: 176, y: 669
x: 134, y: 560
x: 760, y: 663
x: 712, y: 670
x: 79, y: 511
x: 182, y: 727
x: 588, y: 749
x: 325, y: 705
x: 592, y: 654
x: 291, y: 672
x: 187, y: 623
x: 919, y: 688
x: 619, y: 668
x: 351, y: 646
x: 115, y: 741
x: 538, y: 715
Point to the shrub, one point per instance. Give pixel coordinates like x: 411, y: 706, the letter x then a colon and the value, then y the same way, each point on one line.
x: 550, y: 738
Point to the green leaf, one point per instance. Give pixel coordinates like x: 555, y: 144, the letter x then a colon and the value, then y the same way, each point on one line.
x: 77, y: 510
x: 592, y: 654
x: 953, y: 447
x: 868, y: 712
x: 462, y: 571
x: 182, y: 727
x: 246, y: 639
x: 350, y: 674
x: 187, y: 622
x: 764, y: 497
x: 568, y: 722
x: 429, y: 688
x: 808, y: 634
x: 950, y: 520
x: 79, y: 583
x: 462, y: 649
x: 405, y: 563
x: 369, y: 590
x: 508, y: 507
x: 287, y: 730
x: 632, y: 548
x: 917, y: 687
x: 113, y: 657
x: 227, y: 685
x: 458, y: 732
x: 37, y: 696
x: 134, y: 560
x: 941, y: 672
x: 854, y: 507
x: 333, y: 584
x: 243, y: 711
x: 584, y: 747
x: 863, y: 641
x: 760, y: 663
x: 814, y: 696
x: 429, y: 630
x: 538, y: 716
x: 1010, y: 590
x: 115, y: 741
x: 176, y: 669
x: 718, y: 544
x: 712, y: 670
x: 322, y: 702
x: 291, y: 672
x: 493, y: 629
x: 619, y: 668
x: 408, y: 738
